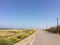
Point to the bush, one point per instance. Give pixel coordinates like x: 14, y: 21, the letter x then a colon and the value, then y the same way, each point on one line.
x: 14, y: 40
x: 6, y: 42
x: 24, y: 36
x: 54, y: 29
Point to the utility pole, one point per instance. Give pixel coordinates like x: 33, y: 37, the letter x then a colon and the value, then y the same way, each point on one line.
x: 46, y: 27
x: 57, y: 25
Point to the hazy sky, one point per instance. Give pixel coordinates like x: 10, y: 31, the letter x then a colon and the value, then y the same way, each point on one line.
x: 29, y: 13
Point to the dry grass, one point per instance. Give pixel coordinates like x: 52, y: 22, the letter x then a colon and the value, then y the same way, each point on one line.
x: 13, y: 36
x: 10, y: 32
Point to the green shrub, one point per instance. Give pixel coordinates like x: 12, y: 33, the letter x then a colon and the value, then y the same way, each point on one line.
x: 19, y: 37
x: 54, y: 29
x: 24, y: 36
x: 6, y: 42
x: 14, y: 40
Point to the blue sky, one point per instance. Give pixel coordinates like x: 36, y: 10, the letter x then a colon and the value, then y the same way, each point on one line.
x: 29, y: 13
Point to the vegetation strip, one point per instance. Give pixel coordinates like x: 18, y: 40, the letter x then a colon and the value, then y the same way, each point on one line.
x: 54, y: 30
x: 10, y: 37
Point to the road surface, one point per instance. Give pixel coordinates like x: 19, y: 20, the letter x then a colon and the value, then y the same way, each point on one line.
x: 46, y: 38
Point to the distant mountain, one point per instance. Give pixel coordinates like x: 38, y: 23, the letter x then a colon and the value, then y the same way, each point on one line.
x: 5, y: 28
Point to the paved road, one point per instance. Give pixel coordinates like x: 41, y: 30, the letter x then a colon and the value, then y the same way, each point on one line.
x: 46, y: 38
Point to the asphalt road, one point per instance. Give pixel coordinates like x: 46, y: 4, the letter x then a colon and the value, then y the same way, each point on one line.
x: 46, y: 38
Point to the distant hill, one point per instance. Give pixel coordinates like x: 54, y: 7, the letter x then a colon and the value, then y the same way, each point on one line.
x: 5, y: 28
x: 12, y: 29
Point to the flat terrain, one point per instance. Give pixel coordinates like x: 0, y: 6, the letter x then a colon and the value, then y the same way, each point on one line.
x: 4, y: 33
x: 46, y: 38
x: 10, y: 37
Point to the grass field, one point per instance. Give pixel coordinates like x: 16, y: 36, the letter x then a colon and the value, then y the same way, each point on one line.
x: 10, y: 37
